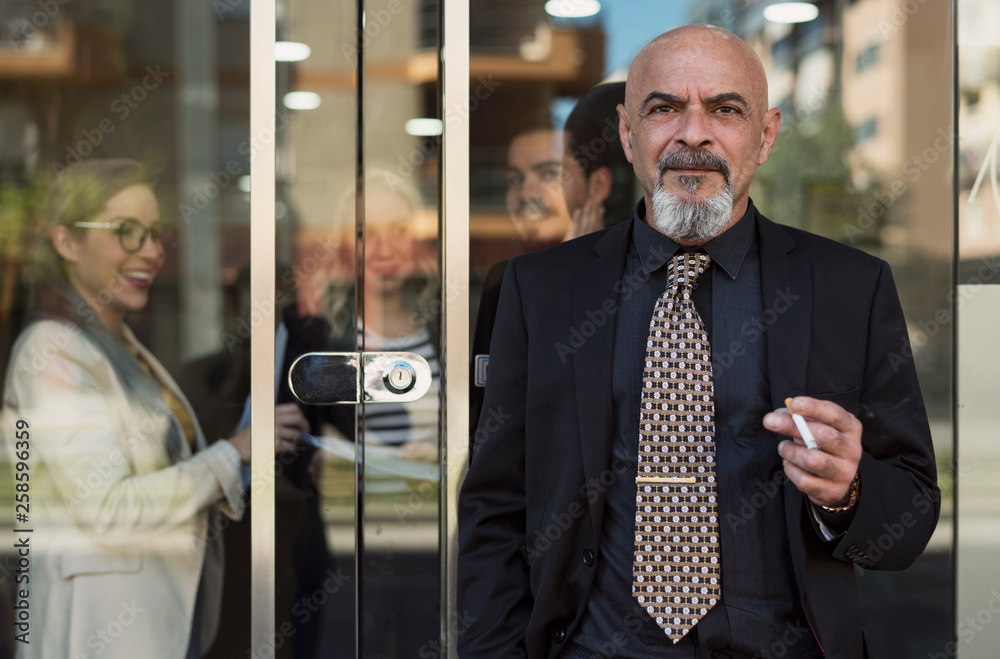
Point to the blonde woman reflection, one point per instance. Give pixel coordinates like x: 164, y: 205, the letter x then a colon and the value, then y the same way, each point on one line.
x: 125, y: 495
x: 401, y: 310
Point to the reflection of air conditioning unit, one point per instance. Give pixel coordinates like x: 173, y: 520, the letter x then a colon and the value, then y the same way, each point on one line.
x: 18, y: 139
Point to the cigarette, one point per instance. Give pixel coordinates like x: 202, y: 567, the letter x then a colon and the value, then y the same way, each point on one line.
x: 803, y: 427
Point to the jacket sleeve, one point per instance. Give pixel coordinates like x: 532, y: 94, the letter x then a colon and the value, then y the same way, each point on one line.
x: 494, y: 592
x: 83, y: 443
x: 899, y: 500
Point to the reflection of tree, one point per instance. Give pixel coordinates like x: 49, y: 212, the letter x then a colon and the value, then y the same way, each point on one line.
x: 18, y: 206
x: 18, y: 210
x: 924, y: 282
x: 807, y: 182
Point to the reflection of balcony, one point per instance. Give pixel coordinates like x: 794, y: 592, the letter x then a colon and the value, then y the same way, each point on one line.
x: 82, y: 53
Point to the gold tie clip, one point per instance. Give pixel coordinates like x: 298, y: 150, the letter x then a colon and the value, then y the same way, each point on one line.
x: 665, y: 479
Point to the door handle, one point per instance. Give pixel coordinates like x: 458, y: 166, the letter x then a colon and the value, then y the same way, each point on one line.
x: 343, y: 378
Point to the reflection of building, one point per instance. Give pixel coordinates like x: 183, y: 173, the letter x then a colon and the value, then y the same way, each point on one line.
x: 979, y: 127
x: 887, y: 69
x: 897, y: 78
x: 799, y: 59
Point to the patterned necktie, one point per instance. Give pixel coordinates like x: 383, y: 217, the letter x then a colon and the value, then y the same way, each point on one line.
x: 676, y: 572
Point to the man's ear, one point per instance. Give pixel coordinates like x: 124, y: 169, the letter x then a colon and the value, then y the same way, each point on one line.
x: 625, y: 131
x: 772, y: 123
x: 599, y: 185
x: 65, y: 244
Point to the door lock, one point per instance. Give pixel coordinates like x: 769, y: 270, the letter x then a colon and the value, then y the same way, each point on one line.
x: 399, y: 377
x: 330, y: 378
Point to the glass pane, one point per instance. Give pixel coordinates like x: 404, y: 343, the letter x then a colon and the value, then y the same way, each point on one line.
x: 315, y: 511
x: 977, y: 301
x: 864, y: 157
x: 378, y: 492
x: 400, y: 594
x: 124, y: 157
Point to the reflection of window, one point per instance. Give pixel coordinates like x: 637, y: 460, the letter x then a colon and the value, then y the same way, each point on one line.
x: 782, y: 51
x: 813, y: 35
x: 865, y: 130
x: 867, y: 57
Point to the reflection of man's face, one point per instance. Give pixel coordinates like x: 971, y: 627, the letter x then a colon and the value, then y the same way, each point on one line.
x: 534, y: 191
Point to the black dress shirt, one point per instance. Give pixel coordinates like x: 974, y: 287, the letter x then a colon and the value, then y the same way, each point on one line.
x: 759, y: 614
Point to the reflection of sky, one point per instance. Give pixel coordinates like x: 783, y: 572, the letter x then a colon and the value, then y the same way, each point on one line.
x: 631, y: 24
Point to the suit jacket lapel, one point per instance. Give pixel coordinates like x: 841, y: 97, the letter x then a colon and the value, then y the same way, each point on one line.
x: 593, y: 329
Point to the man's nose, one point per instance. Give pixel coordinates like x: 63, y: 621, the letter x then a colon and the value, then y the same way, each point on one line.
x: 693, y: 129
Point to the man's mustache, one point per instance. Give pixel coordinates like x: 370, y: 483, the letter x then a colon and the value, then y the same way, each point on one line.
x: 693, y: 159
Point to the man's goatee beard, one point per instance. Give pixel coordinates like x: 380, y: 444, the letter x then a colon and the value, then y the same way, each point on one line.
x: 689, y: 220
x: 685, y: 219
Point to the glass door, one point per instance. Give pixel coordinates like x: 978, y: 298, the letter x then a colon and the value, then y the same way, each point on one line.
x: 358, y: 274
x: 345, y: 176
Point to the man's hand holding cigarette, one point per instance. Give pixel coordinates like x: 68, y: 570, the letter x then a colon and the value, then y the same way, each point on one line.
x: 826, y: 473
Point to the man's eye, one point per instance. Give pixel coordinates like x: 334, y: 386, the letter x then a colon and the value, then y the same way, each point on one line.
x: 552, y: 174
x: 728, y: 109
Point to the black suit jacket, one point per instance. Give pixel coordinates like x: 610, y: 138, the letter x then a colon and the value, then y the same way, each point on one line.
x: 531, y: 507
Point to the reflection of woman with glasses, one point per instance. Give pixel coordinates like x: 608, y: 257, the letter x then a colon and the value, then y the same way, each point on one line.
x: 125, y: 496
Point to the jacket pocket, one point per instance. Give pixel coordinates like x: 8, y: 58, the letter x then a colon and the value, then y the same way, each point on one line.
x: 849, y: 399
x: 75, y: 564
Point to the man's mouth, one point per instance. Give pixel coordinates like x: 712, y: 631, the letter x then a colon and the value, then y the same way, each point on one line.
x: 692, y: 171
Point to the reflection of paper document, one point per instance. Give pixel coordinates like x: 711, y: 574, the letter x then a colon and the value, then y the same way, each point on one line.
x: 379, y: 461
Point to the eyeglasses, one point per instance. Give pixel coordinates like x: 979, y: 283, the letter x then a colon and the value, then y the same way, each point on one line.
x: 132, y: 233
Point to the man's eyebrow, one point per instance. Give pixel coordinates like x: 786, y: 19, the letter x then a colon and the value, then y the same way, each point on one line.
x: 728, y: 97
x: 662, y: 96
x: 725, y: 97
x: 545, y: 164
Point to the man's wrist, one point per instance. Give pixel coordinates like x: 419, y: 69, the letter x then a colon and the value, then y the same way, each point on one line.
x: 852, y: 497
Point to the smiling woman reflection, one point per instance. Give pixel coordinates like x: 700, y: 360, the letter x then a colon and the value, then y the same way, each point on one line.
x: 401, y: 307
x: 126, y: 498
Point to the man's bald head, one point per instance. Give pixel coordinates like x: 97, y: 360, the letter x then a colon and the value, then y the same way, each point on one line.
x: 695, y: 125
x: 693, y: 43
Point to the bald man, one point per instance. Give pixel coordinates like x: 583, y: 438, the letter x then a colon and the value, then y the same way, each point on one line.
x: 642, y: 490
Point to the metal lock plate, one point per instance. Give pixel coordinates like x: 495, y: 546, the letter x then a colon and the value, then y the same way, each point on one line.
x: 337, y: 378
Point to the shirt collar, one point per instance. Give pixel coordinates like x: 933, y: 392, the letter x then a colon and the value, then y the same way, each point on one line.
x: 727, y: 249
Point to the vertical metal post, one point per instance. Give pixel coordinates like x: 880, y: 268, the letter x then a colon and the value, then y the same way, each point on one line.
x: 359, y: 268
x: 197, y: 113
x: 262, y: 245
x: 455, y: 281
